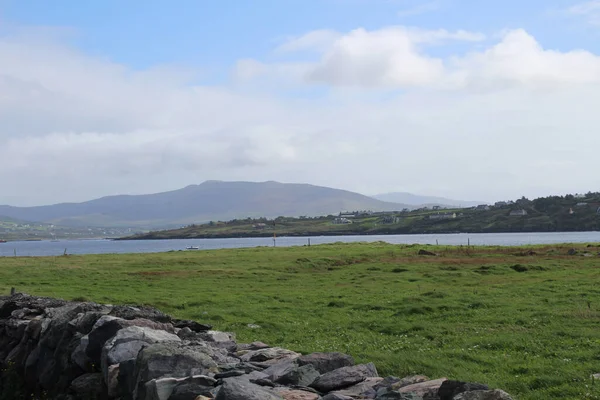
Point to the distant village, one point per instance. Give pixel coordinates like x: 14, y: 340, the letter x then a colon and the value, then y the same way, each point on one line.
x: 438, y: 212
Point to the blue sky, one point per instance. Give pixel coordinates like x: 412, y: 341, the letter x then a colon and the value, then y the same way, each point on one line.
x: 214, y: 34
x: 467, y: 99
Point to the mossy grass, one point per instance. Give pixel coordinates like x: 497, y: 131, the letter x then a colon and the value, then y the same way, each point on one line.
x: 526, y: 320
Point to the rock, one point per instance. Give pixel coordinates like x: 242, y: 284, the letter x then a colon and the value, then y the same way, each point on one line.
x: 88, y: 386
x: 362, y: 389
x: 428, y: 389
x: 128, y: 342
x: 335, y: 396
x: 135, y: 312
x: 409, y: 380
x: 326, y: 362
x: 299, y: 376
x: 572, y: 252
x: 289, y: 394
x: 426, y: 253
x: 230, y: 374
x: 238, y: 390
x: 270, y: 355
x: 112, y: 381
x: 276, y: 371
x: 449, y: 388
x: 390, y: 394
x: 179, y: 389
x: 253, y: 346
x: 484, y: 395
x: 344, y: 377
x: 170, y: 359
x: 192, y: 325
x: 595, y: 377
x: 263, y: 382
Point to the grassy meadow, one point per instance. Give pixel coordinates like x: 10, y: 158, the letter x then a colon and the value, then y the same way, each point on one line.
x: 523, y: 319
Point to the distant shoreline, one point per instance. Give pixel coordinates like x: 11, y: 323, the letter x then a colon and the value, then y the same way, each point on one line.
x: 157, y: 236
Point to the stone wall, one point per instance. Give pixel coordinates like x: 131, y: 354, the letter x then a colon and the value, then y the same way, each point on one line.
x: 55, y: 349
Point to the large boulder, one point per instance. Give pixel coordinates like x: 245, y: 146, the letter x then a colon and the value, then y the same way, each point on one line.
x: 271, y: 355
x: 427, y: 390
x: 170, y: 359
x: 128, y: 342
x: 89, y: 386
x: 326, y: 362
x: 299, y: 376
x: 450, y: 388
x: 344, y: 377
x: 240, y: 390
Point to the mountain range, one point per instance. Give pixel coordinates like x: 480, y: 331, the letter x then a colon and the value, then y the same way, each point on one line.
x: 211, y: 200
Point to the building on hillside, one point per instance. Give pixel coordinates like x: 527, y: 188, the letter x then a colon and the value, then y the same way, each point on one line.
x: 582, y: 204
x: 482, y: 207
x: 389, y: 219
x: 341, y: 221
x: 443, y: 216
x: 260, y: 225
x: 437, y: 207
x: 518, y: 213
x: 500, y: 204
x: 347, y: 215
x: 579, y: 196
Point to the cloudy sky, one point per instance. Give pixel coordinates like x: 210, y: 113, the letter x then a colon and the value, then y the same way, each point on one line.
x: 470, y: 99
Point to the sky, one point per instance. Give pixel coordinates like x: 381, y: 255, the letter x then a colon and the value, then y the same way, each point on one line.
x: 468, y: 99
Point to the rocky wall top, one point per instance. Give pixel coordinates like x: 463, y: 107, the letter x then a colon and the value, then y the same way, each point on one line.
x: 56, y: 349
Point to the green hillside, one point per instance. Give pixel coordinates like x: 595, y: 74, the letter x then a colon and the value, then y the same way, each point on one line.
x: 548, y: 214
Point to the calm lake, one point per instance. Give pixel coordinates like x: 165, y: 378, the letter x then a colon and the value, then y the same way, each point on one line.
x: 48, y: 248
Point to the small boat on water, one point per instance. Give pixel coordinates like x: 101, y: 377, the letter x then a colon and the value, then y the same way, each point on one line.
x: 2, y: 241
x: 192, y: 248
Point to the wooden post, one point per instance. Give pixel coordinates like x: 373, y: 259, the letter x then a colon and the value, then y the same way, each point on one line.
x: 308, y: 242
x: 12, y: 291
x: 15, y: 250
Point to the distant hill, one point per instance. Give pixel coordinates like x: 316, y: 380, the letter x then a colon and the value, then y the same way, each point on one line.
x: 417, y: 200
x: 211, y: 200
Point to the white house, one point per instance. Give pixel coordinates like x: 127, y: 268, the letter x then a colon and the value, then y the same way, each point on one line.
x: 518, y: 213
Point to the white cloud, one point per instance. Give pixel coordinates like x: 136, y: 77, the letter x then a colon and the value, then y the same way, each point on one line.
x: 74, y: 127
x: 520, y: 60
x: 589, y: 10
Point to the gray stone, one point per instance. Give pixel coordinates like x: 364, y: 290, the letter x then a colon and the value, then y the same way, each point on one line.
x: 336, y: 396
x: 88, y: 386
x: 326, y: 362
x: 182, y: 388
x: 135, y: 312
x: 252, y: 346
x: 389, y: 394
x: 299, y: 376
x: 276, y: 371
x: 344, y: 377
x: 362, y: 389
x: 410, y: 380
x: 483, y: 395
x: 271, y: 354
x: 239, y: 390
x: 128, y: 342
x: 192, y: 325
x: 449, y: 388
x: 170, y: 359
x: 428, y: 389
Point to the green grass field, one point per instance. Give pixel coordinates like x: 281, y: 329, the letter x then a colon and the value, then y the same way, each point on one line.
x: 529, y: 324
